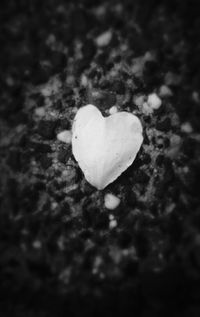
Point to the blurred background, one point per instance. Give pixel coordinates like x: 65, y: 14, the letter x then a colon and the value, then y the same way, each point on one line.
x: 62, y: 251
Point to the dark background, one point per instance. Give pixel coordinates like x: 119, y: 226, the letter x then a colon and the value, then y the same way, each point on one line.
x: 58, y: 255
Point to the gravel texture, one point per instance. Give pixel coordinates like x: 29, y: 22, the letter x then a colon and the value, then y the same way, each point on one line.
x: 62, y: 252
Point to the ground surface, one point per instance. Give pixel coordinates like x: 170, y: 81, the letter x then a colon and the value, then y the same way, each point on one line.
x: 59, y: 250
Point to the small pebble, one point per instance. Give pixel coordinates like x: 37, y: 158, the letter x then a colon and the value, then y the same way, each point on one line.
x: 149, y: 56
x: 100, y: 10
x: 84, y: 80
x: 104, y: 39
x: 186, y: 127
x: 65, y: 136
x: 113, y: 110
x: 146, y: 109
x: 139, y: 100
x: 113, y: 224
x: 111, y: 201
x: 195, y: 96
x: 154, y: 101
x: 51, y: 39
x: 10, y: 81
x: 111, y: 217
x: 138, y: 66
x: 165, y: 91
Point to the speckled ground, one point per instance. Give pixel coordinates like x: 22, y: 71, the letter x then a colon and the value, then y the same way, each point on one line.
x: 60, y: 253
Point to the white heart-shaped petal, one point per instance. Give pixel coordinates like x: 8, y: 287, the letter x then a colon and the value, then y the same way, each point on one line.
x: 105, y: 147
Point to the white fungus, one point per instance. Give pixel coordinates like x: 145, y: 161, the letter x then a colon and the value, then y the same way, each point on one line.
x: 111, y: 202
x: 154, y: 101
x: 65, y: 136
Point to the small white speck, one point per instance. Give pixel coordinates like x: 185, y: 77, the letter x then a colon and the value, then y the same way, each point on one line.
x: 113, y: 224
x: 146, y: 109
x: 149, y: 56
x: 10, y: 81
x: 154, y: 101
x: 123, y: 47
x: 111, y: 217
x: 186, y: 127
x: 195, y: 96
x: 36, y: 244
x: 84, y: 80
x: 65, y: 275
x: 47, y: 91
x: 74, y: 110
x: 104, y: 39
x: 118, y: 8
x: 51, y: 39
x: 61, y: 243
x: 111, y: 201
x: 139, y: 100
x: 40, y: 111
x: 165, y: 91
x: 113, y: 110
x: 65, y: 136
x: 100, y: 10
x: 102, y: 276
x: 138, y: 66
x: 54, y: 205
